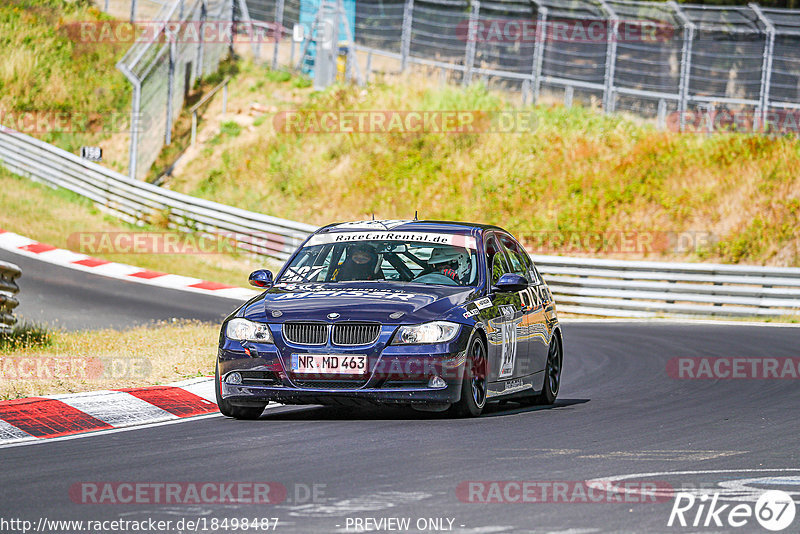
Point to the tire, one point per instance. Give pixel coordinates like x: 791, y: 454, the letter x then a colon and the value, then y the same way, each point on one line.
x: 552, y: 376
x: 473, y: 385
x: 237, y: 412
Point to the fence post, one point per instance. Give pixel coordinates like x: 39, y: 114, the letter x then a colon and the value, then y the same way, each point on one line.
x: 173, y: 54
x: 200, y: 47
x: 277, y: 33
x: 612, y: 33
x: 538, y: 52
x: 405, y: 38
x: 686, y: 63
x: 232, y: 21
x: 766, y: 69
x: 472, y: 36
x: 136, y: 104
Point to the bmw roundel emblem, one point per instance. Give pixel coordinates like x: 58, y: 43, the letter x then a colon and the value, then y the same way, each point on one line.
x: 333, y: 315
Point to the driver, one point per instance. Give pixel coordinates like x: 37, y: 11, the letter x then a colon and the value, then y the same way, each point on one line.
x: 360, y: 264
x: 452, y: 262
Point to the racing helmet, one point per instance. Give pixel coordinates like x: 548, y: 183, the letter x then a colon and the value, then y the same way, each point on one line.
x: 452, y: 257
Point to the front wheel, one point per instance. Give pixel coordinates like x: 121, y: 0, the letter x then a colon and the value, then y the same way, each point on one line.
x: 473, y: 385
x: 229, y: 410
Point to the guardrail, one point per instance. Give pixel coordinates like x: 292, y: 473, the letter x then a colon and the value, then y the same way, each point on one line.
x: 137, y: 202
x: 648, y: 289
x: 8, y: 288
x: 580, y: 285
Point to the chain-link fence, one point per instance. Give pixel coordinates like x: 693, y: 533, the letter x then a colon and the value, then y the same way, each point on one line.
x: 690, y: 67
x: 185, y: 40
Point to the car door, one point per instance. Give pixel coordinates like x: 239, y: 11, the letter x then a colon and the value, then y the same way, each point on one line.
x: 508, y: 350
x: 537, y: 335
x: 528, y: 325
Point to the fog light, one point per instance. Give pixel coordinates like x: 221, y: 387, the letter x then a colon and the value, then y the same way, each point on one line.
x: 233, y: 378
x: 437, y: 382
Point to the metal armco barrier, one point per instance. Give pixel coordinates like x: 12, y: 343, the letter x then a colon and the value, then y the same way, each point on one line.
x: 648, y: 289
x: 135, y: 201
x: 8, y: 288
x: 580, y: 285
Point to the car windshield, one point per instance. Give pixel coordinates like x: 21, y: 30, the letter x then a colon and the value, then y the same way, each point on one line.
x: 452, y: 260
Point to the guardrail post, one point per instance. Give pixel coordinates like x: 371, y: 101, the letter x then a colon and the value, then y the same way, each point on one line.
x: 686, y: 62
x: 405, y: 37
x: 569, y: 91
x: 472, y: 37
x: 612, y: 33
x: 277, y: 33
x: 538, y: 52
x: 760, y: 120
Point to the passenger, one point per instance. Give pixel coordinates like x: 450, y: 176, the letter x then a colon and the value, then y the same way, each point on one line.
x: 451, y: 262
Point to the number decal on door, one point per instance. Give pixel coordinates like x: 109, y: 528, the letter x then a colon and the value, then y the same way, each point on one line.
x: 508, y: 331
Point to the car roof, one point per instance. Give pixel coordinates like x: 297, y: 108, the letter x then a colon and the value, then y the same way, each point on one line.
x: 410, y: 226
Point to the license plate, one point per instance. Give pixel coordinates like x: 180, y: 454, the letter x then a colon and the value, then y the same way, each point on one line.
x: 329, y: 364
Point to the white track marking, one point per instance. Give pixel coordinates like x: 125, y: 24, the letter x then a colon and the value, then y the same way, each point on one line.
x: 733, y: 492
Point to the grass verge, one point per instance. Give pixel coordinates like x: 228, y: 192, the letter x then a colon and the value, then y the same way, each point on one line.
x: 579, y: 173
x: 58, y: 216
x: 86, y: 361
x: 72, y: 87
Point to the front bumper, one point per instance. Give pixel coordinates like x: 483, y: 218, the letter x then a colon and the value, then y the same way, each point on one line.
x: 397, y: 374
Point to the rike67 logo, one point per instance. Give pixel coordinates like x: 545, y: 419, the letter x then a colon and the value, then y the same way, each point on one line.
x: 774, y: 510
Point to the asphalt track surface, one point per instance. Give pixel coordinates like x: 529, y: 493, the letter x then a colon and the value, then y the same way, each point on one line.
x: 618, y: 413
x: 76, y: 300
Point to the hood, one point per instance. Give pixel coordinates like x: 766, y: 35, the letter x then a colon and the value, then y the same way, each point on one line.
x: 362, y: 301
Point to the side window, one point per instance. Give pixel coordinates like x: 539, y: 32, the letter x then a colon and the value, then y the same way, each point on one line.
x: 495, y: 260
x: 519, y: 258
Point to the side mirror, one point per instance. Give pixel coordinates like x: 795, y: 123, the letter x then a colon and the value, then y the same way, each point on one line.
x: 510, y: 282
x: 261, y: 278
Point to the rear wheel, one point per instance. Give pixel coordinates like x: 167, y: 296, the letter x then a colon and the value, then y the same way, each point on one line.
x: 552, y: 375
x: 229, y: 410
x: 473, y: 385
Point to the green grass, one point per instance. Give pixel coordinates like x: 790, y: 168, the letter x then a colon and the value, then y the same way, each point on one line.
x: 579, y: 172
x: 67, y: 214
x: 25, y: 335
x: 45, y: 68
x: 157, y: 353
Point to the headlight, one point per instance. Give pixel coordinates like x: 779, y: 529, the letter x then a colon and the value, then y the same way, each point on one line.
x: 244, y: 330
x: 434, y: 332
